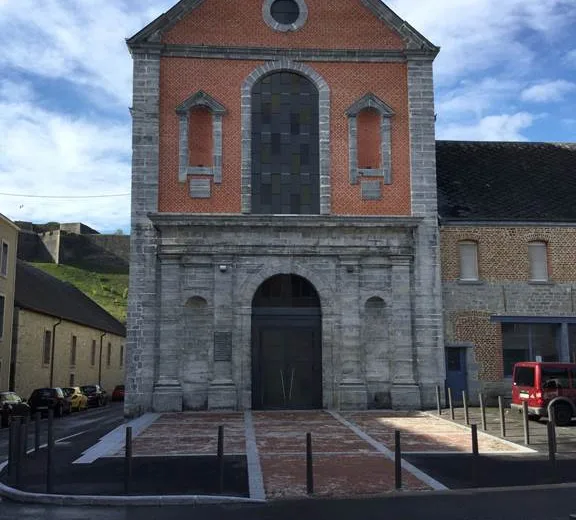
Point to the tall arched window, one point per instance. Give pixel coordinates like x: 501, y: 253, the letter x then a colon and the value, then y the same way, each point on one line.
x: 285, y: 145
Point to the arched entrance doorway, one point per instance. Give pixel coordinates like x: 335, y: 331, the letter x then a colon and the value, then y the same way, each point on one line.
x: 286, y: 345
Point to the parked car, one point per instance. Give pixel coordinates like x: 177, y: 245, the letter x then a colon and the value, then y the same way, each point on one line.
x: 118, y: 393
x: 78, y: 400
x: 96, y: 395
x: 12, y: 405
x: 44, y: 399
x: 547, y: 388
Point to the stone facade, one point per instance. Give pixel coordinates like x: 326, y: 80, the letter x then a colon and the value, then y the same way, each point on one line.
x: 196, y: 263
x: 504, y: 289
x: 31, y: 372
x: 8, y: 243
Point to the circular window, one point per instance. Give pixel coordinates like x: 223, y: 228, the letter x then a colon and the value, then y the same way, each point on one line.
x: 285, y: 15
x: 285, y: 11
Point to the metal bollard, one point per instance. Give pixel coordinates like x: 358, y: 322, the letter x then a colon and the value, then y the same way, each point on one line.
x: 482, y: 411
x: 465, y: 405
x: 397, y: 460
x: 37, y: 419
x: 128, y: 461
x: 551, y: 443
x: 11, y: 452
x: 525, y: 423
x: 450, y: 403
x: 17, y: 451
x: 502, y: 417
x: 50, y: 452
x: 438, y: 404
x: 221, y: 459
x: 309, y: 465
x: 474, y: 430
x: 25, y: 423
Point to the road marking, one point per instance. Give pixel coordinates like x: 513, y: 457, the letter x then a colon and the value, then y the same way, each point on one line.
x: 427, y: 479
x: 114, y: 441
x: 255, y: 480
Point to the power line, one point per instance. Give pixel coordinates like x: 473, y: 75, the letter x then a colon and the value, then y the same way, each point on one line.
x: 65, y: 196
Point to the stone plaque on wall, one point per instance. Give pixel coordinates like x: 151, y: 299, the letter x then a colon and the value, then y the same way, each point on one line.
x: 222, y: 346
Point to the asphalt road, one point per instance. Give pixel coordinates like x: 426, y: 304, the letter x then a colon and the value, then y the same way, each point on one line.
x: 556, y: 504
x: 93, y: 423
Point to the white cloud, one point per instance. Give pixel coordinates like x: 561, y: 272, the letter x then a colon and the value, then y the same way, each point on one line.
x: 50, y: 154
x: 570, y: 58
x: 81, y: 42
x: 479, y: 35
x: 503, y: 127
x: 548, y: 91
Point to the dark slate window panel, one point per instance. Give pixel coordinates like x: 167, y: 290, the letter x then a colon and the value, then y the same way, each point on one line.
x: 285, y: 152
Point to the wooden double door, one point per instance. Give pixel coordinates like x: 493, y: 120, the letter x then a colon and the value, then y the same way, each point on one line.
x: 287, y: 359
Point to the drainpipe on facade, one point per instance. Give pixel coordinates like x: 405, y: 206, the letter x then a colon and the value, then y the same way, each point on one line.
x: 53, y: 346
x: 100, y: 360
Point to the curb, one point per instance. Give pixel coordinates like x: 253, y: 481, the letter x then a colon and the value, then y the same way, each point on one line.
x: 116, y: 500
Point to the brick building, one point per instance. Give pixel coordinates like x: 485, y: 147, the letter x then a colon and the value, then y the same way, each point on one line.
x: 508, y: 242
x: 284, y: 246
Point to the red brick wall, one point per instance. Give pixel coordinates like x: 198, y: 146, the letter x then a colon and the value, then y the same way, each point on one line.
x: 200, y: 137
x: 369, y: 139
x: 182, y: 77
x: 339, y: 24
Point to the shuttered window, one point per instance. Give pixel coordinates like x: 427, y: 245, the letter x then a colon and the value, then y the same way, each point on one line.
x: 468, y: 261
x: 538, y: 257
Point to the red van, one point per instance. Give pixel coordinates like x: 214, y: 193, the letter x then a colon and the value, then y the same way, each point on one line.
x: 547, y: 387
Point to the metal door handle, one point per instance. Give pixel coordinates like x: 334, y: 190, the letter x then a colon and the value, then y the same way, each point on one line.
x: 291, y: 385
x: 283, y: 387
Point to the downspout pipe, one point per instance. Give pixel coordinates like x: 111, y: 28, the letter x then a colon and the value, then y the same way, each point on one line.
x: 52, y: 349
x: 100, y: 360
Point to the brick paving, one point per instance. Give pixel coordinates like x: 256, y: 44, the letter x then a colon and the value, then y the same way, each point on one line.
x: 345, y: 464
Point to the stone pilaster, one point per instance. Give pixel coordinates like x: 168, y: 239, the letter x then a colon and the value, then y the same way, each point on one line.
x: 167, y: 388
x: 404, y: 393
x: 352, y: 383
x: 222, y: 394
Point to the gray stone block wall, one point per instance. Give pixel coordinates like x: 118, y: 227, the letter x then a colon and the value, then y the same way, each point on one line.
x: 428, y: 326
x: 142, y: 327
x: 352, y: 262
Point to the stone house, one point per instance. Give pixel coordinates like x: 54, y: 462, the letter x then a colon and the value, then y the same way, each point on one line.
x: 508, y: 243
x: 8, y: 247
x: 61, y: 337
x: 284, y: 245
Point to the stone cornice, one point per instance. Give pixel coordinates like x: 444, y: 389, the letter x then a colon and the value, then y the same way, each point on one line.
x: 267, y: 54
x: 166, y: 220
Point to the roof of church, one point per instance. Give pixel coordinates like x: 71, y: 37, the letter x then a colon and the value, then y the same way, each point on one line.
x: 40, y: 292
x: 153, y: 31
x: 506, y: 181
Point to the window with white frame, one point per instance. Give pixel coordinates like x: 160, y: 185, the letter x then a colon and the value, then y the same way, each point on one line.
x: 468, y: 260
x: 4, y: 259
x: 538, y: 258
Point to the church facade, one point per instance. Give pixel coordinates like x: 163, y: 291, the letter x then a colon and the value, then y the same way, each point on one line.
x: 284, y: 245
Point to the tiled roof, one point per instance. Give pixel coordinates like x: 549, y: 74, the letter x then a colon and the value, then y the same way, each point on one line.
x: 40, y: 292
x: 506, y: 181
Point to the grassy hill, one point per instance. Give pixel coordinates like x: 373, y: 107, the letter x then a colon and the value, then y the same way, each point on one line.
x: 109, y: 290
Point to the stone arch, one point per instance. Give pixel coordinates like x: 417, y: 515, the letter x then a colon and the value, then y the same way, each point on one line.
x: 324, y: 289
x: 324, y: 127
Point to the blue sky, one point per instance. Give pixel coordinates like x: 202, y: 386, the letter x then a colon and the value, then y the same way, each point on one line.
x: 507, y: 71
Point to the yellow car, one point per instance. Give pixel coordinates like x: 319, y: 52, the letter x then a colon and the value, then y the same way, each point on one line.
x: 78, y: 401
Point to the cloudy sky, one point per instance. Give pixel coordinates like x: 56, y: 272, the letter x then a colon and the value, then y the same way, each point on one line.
x: 507, y: 71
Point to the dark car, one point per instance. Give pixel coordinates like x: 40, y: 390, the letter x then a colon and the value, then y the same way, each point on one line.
x: 44, y: 399
x: 96, y: 395
x: 118, y: 393
x: 12, y: 405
